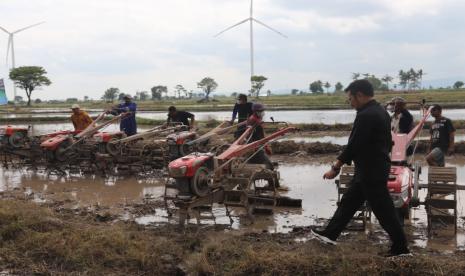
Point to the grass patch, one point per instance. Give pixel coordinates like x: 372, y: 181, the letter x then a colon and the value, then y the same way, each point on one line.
x: 39, y: 240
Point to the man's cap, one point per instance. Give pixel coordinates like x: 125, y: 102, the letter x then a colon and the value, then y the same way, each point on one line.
x: 75, y: 106
x: 171, y: 108
x: 126, y: 97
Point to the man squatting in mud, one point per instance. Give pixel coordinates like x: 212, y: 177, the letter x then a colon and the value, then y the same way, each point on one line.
x: 368, y: 147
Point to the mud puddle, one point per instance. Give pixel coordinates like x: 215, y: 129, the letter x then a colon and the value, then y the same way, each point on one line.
x: 303, y: 180
x: 80, y: 189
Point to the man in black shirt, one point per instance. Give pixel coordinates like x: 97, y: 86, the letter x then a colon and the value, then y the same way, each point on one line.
x: 401, y: 120
x: 442, y: 138
x: 369, y: 148
x: 243, y: 110
x: 178, y: 116
x: 256, y: 120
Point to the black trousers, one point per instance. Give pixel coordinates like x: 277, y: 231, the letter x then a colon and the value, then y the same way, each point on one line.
x: 261, y: 158
x: 377, y: 195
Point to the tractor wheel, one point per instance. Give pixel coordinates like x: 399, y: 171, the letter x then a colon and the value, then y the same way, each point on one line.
x: 62, y: 153
x: 16, y: 140
x: 200, y: 183
x: 186, y: 149
x: 113, y: 148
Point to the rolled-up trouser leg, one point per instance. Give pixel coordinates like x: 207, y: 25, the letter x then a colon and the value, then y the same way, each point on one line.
x: 380, y: 201
x: 350, y: 203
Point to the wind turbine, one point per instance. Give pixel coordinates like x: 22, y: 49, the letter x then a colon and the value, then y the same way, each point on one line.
x: 251, y: 20
x: 11, y: 44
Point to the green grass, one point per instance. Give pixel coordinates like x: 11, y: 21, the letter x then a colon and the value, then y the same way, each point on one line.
x: 448, y: 98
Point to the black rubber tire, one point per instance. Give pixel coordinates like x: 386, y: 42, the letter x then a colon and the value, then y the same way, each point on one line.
x: 16, y: 140
x: 200, y: 182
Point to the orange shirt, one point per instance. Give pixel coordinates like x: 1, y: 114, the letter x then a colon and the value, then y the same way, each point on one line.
x: 81, y: 120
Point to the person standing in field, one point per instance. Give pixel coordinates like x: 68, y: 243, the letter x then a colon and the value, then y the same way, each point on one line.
x: 442, y: 138
x: 242, y: 110
x: 402, y: 119
x: 80, y: 119
x: 369, y: 148
x: 128, y: 124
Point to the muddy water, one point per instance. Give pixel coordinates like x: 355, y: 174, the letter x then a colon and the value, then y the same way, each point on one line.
x: 90, y: 190
x: 303, y: 181
x: 293, y: 116
x: 342, y: 138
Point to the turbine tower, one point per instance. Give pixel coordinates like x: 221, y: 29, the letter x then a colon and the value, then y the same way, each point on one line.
x: 251, y: 20
x: 10, y: 46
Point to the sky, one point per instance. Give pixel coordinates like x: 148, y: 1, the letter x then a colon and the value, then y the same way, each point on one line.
x: 87, y: 46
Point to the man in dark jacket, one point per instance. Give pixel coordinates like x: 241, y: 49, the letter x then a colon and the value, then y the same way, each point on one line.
x: 242, y: 110
x: 401, y: 120
x: 369, y: 147
x: 128, y: 124
x: 179, y: 116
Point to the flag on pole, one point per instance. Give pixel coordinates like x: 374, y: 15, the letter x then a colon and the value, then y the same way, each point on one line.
x: 3, y: 98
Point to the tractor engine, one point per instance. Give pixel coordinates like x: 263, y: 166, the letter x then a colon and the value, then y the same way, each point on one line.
x: 179, y: 145
x: 192, y: 174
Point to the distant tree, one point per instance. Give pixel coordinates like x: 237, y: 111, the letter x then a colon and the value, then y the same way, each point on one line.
x: 234, y: 94
x: 157, y: 92
x: 294, y: 91
x: 29, y: 78
x: 387, y: 79
x: 338, y: 87
x: 179, y: 89
x: 19, y: 99
x: 316, y: 87
x: 110, y: 94
x: 355, y: 76
x: 38, y: 101
x: 374, y: 81
x: 122, y: 95
x: 86, y: 98
x: 72, y: 100
x: 257, y: 84
x: 458, y: 84
x: 268, y: 92
x: 191, y: 93
x: 142, y: 95
x: 411, y: 79
x: 327, y: 85
x: 208, y: 85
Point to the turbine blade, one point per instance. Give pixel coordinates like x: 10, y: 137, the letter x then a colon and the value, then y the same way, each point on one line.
x: 3, y: 29
x: 229, y: 28
x: 28, y: 27
x: 10, y: 37
x: 266, y: 26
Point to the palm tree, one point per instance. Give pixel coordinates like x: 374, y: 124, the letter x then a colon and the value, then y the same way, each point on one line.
x: 387, y: 79
x: 355, y: 76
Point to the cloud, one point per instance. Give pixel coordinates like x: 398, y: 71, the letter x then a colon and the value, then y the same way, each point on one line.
x: 87, y: 46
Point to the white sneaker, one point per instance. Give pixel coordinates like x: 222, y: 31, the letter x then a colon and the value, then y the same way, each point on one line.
x: 323, y: 239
